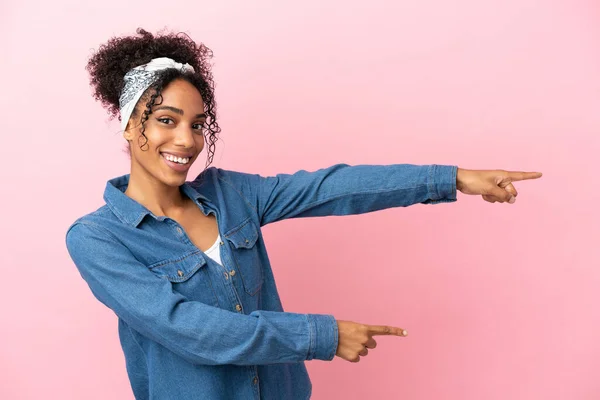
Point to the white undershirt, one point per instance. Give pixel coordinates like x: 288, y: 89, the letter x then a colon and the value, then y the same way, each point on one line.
x: 214, y: 251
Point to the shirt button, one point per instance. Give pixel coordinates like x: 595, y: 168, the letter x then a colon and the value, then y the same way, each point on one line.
x: 255, y: 380
x: 179, y: 272
x: 238, y: 307
x: 221, y: 243
x: 232, y: 273
x: 226, y: 275
x: 179, y: 230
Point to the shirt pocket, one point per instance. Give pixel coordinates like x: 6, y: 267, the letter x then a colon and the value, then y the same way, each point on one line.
x: 243, y: 238
x: 188, y: 276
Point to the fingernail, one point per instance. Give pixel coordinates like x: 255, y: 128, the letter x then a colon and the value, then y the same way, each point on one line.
x: 404, y: 333
x: 512, y: 200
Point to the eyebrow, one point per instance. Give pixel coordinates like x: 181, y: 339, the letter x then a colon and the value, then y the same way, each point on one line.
x: 177, y: 111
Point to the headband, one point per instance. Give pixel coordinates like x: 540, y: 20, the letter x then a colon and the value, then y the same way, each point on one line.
x: 139, y: 79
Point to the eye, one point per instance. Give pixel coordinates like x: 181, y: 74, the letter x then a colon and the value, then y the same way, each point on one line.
x: 200, y: 126
x: 165, y: 120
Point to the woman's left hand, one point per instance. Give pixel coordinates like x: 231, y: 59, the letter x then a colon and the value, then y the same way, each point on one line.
x: 492, y: 185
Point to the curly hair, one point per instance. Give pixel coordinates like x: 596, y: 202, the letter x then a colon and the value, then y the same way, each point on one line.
x: 109, y: 64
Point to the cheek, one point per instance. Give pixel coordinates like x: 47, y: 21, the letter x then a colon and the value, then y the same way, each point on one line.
x: 200, y: 142
x: 144, y: 146
x: 154, y: 134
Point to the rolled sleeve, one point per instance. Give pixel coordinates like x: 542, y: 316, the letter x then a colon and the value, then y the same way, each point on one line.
x: 441, y: 184
x: 323, y: 337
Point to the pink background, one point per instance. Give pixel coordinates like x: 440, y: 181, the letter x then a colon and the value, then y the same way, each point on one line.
x: 500, y: 301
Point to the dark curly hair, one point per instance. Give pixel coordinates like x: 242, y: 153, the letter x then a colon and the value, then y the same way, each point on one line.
x: 109, y: 64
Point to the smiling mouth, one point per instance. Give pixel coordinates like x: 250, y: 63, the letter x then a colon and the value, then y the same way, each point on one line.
x: 178, y: 160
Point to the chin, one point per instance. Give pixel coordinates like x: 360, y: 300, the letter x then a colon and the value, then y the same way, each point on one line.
x: 177, y: 180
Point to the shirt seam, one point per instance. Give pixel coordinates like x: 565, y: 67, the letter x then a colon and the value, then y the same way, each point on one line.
x: 322, y: 201
x: 310, y: 336
x: 221, y: 178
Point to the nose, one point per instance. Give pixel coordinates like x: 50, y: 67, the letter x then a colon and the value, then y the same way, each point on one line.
x: 184, y: 137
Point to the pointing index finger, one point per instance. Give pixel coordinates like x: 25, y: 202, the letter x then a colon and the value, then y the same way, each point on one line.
x: 387, y: 330
x: 521, y: 176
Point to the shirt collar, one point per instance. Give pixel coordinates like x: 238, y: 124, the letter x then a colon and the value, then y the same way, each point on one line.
x: 130, y: 211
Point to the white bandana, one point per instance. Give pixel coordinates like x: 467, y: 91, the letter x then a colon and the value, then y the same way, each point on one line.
x: 140, y: 78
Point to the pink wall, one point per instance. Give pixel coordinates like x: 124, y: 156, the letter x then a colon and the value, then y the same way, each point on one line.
x: 500, y: 301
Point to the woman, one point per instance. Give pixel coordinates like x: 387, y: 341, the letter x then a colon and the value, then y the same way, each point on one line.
x: 183, y: 263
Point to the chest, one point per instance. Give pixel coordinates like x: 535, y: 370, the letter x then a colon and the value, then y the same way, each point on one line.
x: 201, y: 229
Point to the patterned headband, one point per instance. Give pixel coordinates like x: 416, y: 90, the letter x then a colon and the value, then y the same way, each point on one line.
x: 139, y: 79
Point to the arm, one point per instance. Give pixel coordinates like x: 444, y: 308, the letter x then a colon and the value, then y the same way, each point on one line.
x: 344, y: 190
x: 195, y: 331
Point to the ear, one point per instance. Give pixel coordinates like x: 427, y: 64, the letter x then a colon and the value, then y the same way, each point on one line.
x: 128, y: 135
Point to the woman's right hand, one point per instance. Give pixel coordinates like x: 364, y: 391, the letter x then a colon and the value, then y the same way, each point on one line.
x: 356, y: 339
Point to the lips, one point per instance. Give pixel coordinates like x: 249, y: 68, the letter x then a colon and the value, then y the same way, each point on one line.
x: 177, y: 166
x: 176, y: 154
x: 184, y: 160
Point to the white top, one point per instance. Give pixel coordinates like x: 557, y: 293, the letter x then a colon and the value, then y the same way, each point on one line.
x: 214, y: 251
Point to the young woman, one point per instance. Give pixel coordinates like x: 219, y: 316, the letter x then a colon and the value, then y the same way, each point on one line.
x: 183, y: 263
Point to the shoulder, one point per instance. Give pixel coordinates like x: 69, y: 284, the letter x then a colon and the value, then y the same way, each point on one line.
x: 240, y: 189
x: 94, y: 223
x: 213, y: 174
x: 224, y: 179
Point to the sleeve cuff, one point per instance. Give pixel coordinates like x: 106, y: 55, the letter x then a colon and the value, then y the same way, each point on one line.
x: 323, y: 337
x: 441, y: 183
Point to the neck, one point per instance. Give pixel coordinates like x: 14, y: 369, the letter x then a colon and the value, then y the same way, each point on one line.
x: 161, y: 199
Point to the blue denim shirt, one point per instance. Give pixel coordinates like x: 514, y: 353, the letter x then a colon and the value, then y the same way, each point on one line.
x: 191, y: 328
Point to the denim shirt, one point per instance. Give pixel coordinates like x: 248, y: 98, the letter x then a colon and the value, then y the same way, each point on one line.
x: 191, y: 328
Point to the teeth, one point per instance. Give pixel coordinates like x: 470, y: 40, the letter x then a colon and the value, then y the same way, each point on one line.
x: 176, y: 159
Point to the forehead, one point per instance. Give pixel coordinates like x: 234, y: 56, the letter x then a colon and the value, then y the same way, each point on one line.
x: 184, y: 95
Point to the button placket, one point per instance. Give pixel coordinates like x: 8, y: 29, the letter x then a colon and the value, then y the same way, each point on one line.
x: 225, y: 261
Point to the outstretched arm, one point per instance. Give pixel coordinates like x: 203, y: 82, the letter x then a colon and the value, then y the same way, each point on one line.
x: 195, y: 331
x: 343, y: 189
